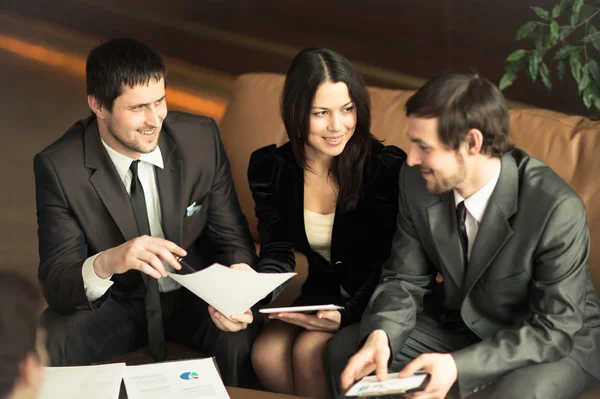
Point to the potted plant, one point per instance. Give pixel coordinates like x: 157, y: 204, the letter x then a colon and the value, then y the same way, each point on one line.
x: 565, y: 39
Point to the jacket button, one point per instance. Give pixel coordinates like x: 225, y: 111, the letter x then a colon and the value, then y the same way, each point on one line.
x: 337, y: 262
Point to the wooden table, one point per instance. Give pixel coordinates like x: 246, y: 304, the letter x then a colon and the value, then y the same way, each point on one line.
x: 241, y: 393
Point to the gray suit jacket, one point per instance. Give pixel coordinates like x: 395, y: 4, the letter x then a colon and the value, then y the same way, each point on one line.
x: 83, y: 207
x: 527, y: 291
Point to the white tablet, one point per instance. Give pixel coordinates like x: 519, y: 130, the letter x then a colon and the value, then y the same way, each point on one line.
x: 302, y: 309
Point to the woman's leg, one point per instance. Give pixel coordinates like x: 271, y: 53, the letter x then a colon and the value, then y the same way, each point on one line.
x: 310, y: 378
x: 272, y: 356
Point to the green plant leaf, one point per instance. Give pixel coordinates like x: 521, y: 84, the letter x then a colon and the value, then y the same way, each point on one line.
x: 588, y: 98
x: 565, y: 52
x: 583, y: 82
x: 516, y: 55
x: 507, y: 79
x: 591, y: 37
x: 592, y: 31
x: 545, y: 75
x: 554, y: 28
x: 564, y: 32
x: 562, y: 69
x: 575, y: 63
x: 556, y: 11
x: 538, y: 38
x: 542, y: 13
x: 534, y: 63
x: 526, y: 30
x: 577, y: 4
x: 594, y: 69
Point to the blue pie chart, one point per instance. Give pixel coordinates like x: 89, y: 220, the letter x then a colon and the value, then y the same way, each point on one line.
x: 189, y: 375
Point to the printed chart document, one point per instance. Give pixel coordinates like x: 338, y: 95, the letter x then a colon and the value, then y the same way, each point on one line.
x: 188, y: 379
x: 370, y: 386
x: 230, y: 291
x: 90, y: 382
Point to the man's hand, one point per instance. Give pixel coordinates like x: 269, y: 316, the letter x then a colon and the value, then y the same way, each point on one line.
x: 238, y: 321
x: 143, y: 253
x: 324, y: 320
x: 374, y: 355
x: 243, y: 267
x: 441, y: 367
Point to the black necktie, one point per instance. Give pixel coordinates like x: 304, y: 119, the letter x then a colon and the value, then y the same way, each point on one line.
x: 156, y: 337
x: 461, y: 218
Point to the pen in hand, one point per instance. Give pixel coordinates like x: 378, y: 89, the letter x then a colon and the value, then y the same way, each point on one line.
x: 183, y: 264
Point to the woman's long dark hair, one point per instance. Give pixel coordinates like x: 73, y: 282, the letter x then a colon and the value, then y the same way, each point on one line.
x: 310, y: 69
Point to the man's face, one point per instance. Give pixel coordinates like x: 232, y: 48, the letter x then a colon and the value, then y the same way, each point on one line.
x: 442, y: 168
x: 133, y: 126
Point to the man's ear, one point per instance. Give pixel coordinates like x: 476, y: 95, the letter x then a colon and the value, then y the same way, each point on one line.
x: 96, y: 107
x: 474, y: 141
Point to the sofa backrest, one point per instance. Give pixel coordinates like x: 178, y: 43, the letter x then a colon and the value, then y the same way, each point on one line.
x: 570, y: 145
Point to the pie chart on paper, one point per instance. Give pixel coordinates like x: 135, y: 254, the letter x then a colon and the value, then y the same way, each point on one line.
x: 189, y: 375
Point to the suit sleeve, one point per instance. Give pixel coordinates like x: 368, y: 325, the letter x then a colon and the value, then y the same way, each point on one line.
x: 406, y: 277
x: 276, y: 245
x: 556, y: 306
x: 227, y: 228
x: 62, y: 243
x: 384, y: 172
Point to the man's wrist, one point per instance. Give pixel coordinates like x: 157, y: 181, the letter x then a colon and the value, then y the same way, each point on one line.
x: 98, y: 267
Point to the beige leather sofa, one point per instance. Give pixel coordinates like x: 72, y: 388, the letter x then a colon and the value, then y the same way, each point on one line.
x: 568, y: 144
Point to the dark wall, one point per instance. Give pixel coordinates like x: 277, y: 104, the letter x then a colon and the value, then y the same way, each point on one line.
x: 391, y: 38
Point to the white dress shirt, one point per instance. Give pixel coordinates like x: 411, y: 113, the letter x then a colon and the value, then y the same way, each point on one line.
x: 476, y: 205
x: 95, y: 286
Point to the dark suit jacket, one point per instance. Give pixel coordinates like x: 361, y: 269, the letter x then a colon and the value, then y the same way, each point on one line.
x: 83, y: 207
x: 360, y: 240
x: 527, y: 291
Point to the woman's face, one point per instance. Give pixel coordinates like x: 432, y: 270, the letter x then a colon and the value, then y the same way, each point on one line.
x: 332, y: 120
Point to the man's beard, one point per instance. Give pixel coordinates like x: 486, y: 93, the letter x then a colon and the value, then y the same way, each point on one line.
x: 444, y: 185
x: 132, y: 145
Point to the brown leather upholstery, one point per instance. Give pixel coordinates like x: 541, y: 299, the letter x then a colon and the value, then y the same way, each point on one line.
x: 568, y: 144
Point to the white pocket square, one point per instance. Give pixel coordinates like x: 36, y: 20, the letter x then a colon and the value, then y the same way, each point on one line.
x: 192, y: 209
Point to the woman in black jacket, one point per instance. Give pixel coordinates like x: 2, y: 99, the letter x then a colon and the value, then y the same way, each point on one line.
x: 331, y: 193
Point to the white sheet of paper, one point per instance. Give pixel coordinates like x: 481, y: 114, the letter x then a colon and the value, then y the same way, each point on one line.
x: 188, y: 379
x: 230, y: 291
x: 90, y: 382
x: 370, y: 386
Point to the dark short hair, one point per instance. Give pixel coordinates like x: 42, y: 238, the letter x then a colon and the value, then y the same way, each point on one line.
x: 464, y: 101
x: 20, y: 305
x: 120, y: 62
x: 310, y: 69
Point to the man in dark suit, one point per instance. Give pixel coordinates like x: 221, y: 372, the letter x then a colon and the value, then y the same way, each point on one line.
x: 517, y: 308
x: 119, y: 196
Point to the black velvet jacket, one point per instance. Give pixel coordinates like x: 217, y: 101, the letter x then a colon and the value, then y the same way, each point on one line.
x: 361, y: 239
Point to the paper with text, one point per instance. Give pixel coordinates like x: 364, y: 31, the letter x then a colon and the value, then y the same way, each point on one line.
x: 231, y: 291
x: 188, y: 379
x: 370, y: 386
x: 89, y: 382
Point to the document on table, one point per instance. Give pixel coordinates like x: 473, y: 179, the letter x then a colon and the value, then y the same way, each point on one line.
x: 90, y: 382
x: 188, y: 379
x: 370, y: 386
x: 231, y: 291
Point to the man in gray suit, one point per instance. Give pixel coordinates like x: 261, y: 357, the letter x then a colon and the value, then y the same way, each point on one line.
x: 517, y: 309
x: 119, y: 196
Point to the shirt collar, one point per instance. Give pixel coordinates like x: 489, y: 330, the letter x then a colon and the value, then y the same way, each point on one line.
x: 477, y: 203
x: 123, y: 162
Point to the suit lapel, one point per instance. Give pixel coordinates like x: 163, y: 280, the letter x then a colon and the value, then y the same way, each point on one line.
x: 495, y: 229
x: 444, y: 231
x: 107, y: 183
x: 170, y: 189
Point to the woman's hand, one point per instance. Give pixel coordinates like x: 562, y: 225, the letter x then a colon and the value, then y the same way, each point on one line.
x: 324, y: 320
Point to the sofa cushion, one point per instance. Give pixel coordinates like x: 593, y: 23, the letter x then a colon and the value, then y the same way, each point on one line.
x: 568, y: 144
